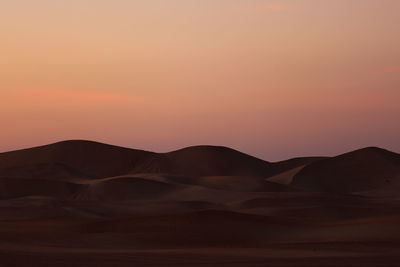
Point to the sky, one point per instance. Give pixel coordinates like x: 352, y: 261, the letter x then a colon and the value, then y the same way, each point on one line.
x: 273, y: 78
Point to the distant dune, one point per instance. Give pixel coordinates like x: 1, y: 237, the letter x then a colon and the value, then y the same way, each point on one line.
x: 364, y: 170
x: 89, y: 158
x: 100, y: 160
x: 101, y: 205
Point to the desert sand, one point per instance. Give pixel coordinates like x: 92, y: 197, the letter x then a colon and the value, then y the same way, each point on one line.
x: 82, y: 203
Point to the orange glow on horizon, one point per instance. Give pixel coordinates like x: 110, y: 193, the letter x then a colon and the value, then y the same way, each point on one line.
x: 273, y: 78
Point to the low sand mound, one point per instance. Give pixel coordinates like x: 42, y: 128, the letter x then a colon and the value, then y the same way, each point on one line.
x: 362, y: 170
x: 125, y: 188
x: 286, y: 177
x: 14, y: 188
x: 290, y: 164
x: 240, y: 183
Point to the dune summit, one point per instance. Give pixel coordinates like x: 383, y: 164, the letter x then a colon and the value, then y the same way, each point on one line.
x: 90, y: 204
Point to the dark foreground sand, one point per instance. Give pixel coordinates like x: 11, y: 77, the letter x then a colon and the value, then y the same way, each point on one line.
x: 201, y: 257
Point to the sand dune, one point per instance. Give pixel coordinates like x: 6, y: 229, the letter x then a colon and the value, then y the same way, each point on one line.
x: 15, y: 188
x: 100, y: 205
x: 290, y: 164
x: 90, y: 158
x: 359, y: 171
x: 286, y: 177
x: 216, y: 161
x: 125, y: 188
x: 240, y: 183
x: 96, y: 160
x: 52, y: 171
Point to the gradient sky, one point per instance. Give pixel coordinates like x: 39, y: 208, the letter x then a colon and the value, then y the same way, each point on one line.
x: 276, y: 79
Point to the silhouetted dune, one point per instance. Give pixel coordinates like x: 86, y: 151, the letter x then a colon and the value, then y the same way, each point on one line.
x: 220, y: 168
x: 216, y: 161
x: 362, y: 170
x: 100, y: 160
x: 86, y: 200
x: 90, y: 158
x: 86, y: 159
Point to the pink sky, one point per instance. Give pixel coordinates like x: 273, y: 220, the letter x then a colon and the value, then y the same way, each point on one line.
x: 276, y: 79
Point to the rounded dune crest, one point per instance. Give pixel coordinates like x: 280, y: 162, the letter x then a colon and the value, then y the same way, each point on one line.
x: 361, y: 170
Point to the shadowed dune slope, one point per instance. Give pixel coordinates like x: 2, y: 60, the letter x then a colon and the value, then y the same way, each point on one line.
x: 216, y: 161
x: 126, y: 188
x: 50, y: 171
x: 118, y: 188
x: 214, y: 167
x: 290, y: 164
x: 285, y: 177
x: 93, y: 159
x: 15, y: 188
x: 86, y: 159
x: 240, y: 183
x: 358, y: 171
